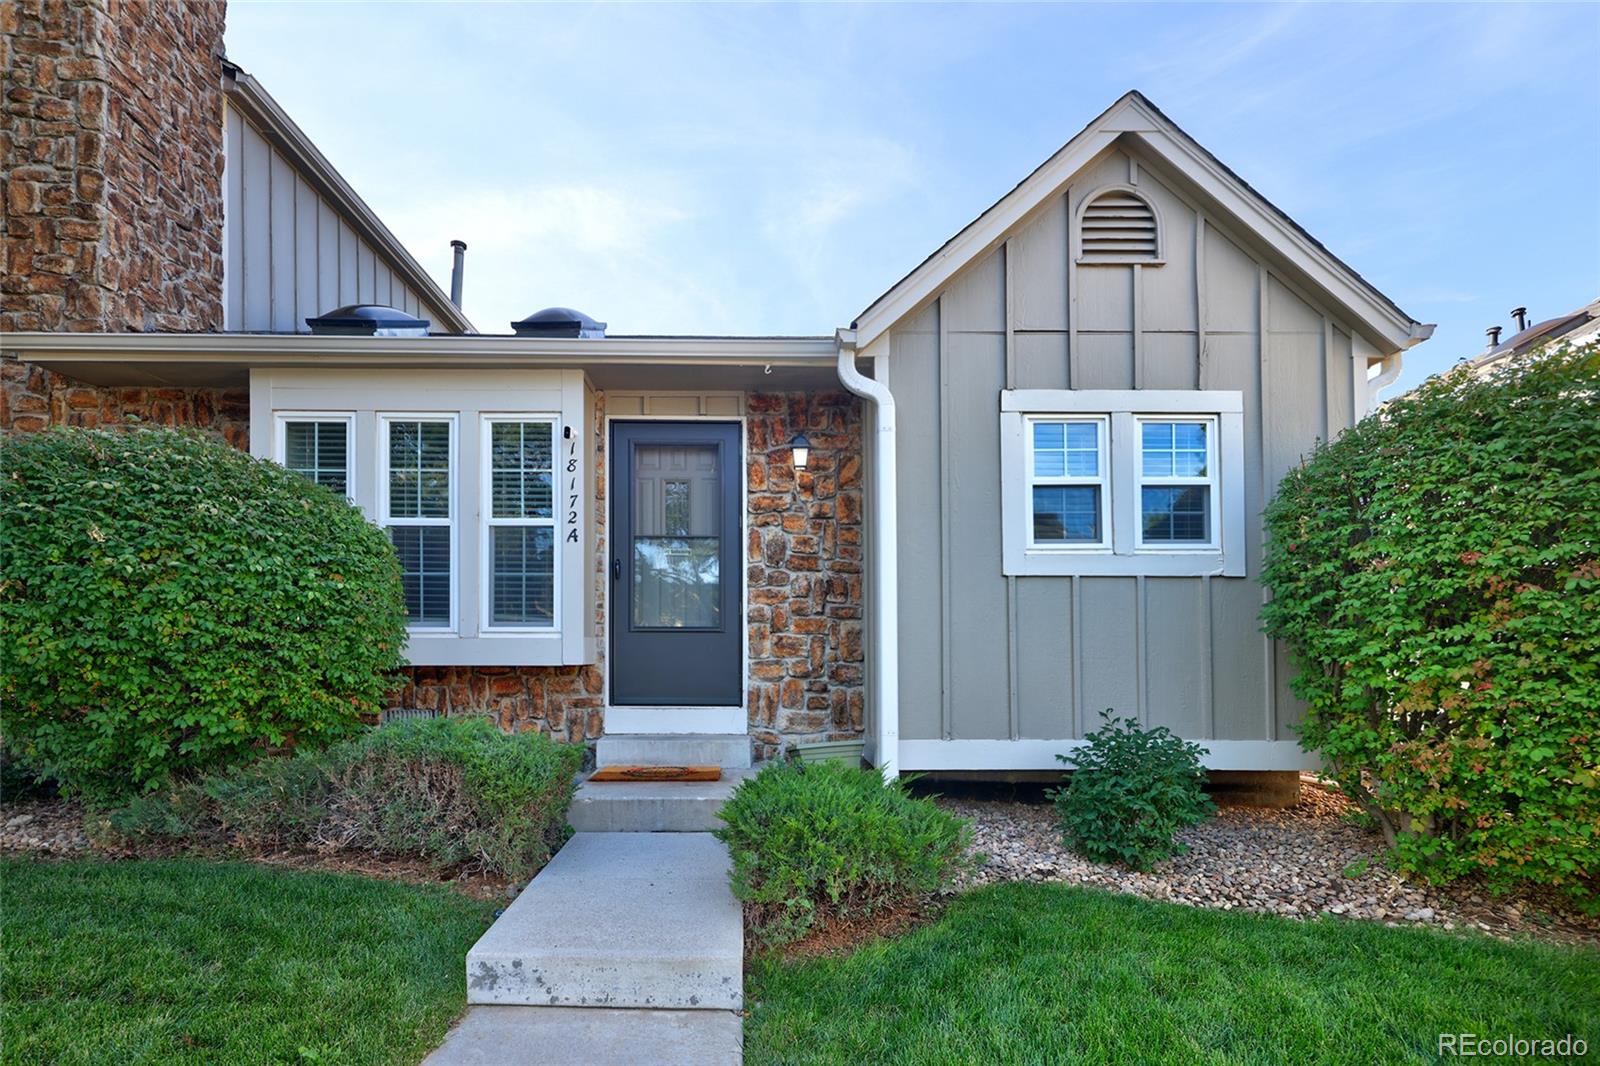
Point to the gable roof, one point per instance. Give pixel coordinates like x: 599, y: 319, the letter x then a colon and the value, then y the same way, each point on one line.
x: 257, y: 105
x: 1135, y: 116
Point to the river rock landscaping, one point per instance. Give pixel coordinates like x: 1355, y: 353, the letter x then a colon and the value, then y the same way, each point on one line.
x: 1301, y: 861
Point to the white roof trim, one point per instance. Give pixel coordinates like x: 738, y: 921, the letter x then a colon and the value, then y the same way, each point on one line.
x: 1135, y: 116
x: 59, y: 350
x: 263, y: 112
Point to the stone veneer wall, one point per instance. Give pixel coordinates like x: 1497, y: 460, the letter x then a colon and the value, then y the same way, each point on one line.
x: 112, y: 140
x: 32, y: 399
x: 804, y: 570
x: 803, y: 585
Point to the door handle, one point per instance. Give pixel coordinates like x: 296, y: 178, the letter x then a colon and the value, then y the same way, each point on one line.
x: 616, y: 569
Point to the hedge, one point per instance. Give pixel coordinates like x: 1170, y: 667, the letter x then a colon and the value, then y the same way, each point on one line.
x: 169, y: 604
x: 1436, y: 573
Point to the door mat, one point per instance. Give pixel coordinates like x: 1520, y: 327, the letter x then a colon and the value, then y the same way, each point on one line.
x: 657, y: 773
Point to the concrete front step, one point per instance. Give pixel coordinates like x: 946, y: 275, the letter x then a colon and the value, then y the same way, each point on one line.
x: 651, y: 806
x: 625, y: 920
x: 674, y: 749
x: 536, y: 1036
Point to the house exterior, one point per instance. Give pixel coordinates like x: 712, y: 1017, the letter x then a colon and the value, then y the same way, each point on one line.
x: 1033, y: 473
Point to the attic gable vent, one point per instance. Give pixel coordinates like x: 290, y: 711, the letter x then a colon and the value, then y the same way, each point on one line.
x: 1118, y: 225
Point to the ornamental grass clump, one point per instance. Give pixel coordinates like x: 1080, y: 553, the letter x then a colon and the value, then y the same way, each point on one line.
x: 1129, y: 793
x: 1436, y: 573
x: 818, y: 841
x: 169, y: 604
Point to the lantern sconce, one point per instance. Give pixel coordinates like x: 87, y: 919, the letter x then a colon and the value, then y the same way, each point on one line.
x: 801, y: 449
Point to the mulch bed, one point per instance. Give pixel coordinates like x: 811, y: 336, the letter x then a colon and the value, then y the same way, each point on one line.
x: 54, y: 828
x: 1298, y: 862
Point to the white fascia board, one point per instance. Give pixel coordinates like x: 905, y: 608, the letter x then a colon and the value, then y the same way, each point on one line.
x: 955, y: 755
x: 445, y: 351
x: 1129, y: 117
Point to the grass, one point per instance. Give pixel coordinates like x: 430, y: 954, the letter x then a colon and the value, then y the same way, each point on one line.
x: 1047, y: 973
x: 188, y: 961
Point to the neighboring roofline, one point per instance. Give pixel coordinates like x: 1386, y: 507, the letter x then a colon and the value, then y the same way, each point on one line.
x: 1135, y: 116
x: 263, y: 112
x: 60, y: 350
x: 1551, y: 329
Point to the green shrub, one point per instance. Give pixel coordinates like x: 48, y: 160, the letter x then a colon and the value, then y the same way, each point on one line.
x: 454, y: 792
x: 169, y: 604
x: 817, y: 840
x: 1130, y: 791
x: 1436, y: 572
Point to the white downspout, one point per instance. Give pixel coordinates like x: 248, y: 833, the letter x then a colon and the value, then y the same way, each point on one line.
x: 1385, y: 377
x: 884, y: 560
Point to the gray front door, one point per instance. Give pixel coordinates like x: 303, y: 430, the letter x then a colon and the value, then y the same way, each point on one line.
x: 677, y: 580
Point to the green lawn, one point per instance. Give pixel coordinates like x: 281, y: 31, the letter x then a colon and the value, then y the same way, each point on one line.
x: 187, y: 961
x: 1047, y: 973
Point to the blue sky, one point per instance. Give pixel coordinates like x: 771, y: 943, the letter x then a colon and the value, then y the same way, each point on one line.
x: 772, y: 169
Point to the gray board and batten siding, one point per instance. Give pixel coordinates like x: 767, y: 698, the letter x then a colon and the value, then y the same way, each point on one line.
x: 990, y: 657
x: 290, y: 252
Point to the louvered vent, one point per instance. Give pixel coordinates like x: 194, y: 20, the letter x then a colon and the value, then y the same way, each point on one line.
x: 1118, y: 227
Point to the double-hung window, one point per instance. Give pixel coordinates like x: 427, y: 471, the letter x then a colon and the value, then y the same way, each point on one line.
x: 1068, y: 498
x: 418, y: 509
x: 1177, y: 483
x: 1125, y: 482
x: 317, y: 447
x: 519, y: 543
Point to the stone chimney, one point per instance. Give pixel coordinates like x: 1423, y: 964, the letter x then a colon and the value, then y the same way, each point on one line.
x: 112, y: 148
x: 113, y: 143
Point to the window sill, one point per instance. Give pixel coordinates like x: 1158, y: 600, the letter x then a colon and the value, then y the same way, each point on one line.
x: 1210, y: 563
x: 501, y: 649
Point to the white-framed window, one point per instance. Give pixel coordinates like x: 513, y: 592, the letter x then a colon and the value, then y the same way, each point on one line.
x: 520, y: 576
x: 319, y: 446
x: 1122, y: 482
x: 1177, y: 483
x: 1068, y: 500
x: 417, y: 506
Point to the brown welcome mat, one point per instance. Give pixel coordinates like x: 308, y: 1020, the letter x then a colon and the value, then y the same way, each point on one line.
x: 657, y: 773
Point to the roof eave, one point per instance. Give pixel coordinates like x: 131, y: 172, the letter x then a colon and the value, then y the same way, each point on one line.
x: 1134, y: 115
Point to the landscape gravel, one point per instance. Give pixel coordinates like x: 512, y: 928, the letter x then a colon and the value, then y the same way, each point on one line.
x: 1299, y: 862
x: 51, y: 826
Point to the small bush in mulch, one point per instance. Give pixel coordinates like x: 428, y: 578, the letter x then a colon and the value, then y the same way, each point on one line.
x: 454, y: 792
x: 1436, y: 572
x: 170, y: 605
x: 816, y: 843
x: 1130, y: 792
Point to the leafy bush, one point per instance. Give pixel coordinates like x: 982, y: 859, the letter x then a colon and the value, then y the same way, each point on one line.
x: 1436, y: 572
x: 1130, y: 791
x: 169, y: 604
x: 827, y: 839
x: 455, y: 792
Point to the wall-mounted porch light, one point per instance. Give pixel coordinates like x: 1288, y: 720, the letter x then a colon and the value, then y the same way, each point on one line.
x: 802, y: 450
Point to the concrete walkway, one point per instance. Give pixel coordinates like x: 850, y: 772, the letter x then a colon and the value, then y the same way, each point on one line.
x: 627, y: 948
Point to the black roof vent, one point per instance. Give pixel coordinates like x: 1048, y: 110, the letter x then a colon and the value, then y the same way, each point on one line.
x: 559, y: 322
x: 368, y: 320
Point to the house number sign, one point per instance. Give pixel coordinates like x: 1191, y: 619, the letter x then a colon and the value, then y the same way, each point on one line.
x: 572, y: 487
